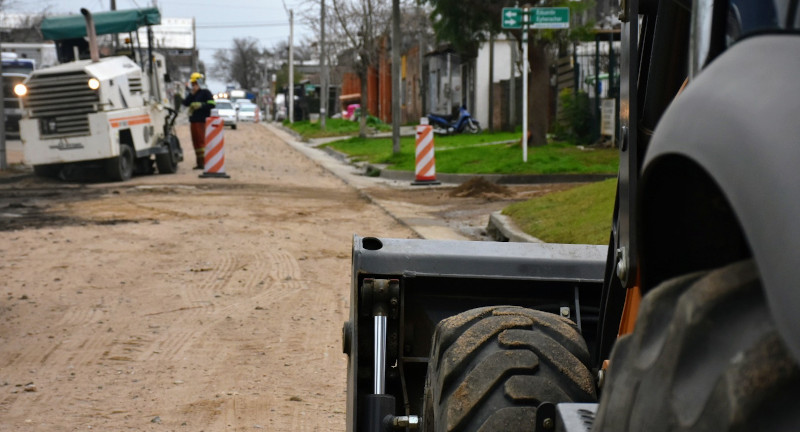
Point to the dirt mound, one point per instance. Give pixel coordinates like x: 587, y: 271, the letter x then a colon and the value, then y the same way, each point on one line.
x: 480, y: 187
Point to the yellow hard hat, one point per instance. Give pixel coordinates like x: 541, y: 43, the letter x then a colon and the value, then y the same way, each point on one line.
x: 195, y: 76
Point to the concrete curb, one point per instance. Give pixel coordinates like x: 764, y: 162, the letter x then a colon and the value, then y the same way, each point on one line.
x: 495, y: 178
x: 502, y: 228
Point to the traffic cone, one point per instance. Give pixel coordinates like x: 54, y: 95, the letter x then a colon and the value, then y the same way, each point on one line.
x: 214, y: 163
x: 425, y: 167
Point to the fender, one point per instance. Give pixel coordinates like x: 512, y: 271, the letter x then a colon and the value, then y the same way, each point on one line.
x: 733, y: 132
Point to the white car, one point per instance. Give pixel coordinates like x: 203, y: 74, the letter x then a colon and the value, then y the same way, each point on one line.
x: 240, y: 102
x: 247, y: 112
x: 227, y: 112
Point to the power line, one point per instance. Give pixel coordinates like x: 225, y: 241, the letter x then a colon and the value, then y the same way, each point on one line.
x: 240, y: 25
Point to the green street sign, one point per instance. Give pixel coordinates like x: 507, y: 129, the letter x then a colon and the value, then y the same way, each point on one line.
x: 511, y: 18
x: 549, y: 18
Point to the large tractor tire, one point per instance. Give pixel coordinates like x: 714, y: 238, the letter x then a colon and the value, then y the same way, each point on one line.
x: 47, y: 171
x: 705, y: 356
x: 120, y: 168
x: 491, y: 367
x: 167, y: 163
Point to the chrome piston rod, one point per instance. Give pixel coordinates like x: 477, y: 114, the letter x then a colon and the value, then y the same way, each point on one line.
x: 379, y: 365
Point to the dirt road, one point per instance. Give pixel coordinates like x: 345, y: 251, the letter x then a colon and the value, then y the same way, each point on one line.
x: 176, y: 303
x: 173, y: 303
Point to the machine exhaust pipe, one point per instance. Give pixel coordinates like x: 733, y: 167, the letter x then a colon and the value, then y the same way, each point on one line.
x: 92, y: 34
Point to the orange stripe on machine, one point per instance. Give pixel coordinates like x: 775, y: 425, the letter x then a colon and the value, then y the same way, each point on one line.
x: 129, y: 121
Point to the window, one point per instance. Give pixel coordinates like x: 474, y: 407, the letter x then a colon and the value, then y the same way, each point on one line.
x: 718, y: 24
x: 747, y: 17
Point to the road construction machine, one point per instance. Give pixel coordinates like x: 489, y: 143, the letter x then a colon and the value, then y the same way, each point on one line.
x: 110, y: 112
x: 686, y: 321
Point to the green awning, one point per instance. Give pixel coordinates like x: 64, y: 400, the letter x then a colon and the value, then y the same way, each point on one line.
x: 110, y: 22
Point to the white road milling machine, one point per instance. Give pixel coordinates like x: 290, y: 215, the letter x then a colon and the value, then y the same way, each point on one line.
x: 111, y: 113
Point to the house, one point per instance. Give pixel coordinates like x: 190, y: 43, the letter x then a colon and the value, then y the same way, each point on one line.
x: 379, y: 83
x: 506, y: 57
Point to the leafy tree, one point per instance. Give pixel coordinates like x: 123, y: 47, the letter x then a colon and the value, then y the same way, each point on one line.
x: 282, y: 76
x: 467, y: 23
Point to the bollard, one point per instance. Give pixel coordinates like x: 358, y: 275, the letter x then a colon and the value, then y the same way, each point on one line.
x: 214, y: 163
x: 425, y: 166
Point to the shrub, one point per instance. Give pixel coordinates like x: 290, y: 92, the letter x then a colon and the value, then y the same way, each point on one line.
x: 576, y: 120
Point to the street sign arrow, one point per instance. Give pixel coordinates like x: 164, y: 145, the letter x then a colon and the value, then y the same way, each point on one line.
x: 511, y: 18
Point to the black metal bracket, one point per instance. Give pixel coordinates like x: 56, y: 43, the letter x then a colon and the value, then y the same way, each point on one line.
x: 380, y: 297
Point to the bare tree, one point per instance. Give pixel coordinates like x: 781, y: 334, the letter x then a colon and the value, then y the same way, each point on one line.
x: 362, y: 22
x: 27, y: 29
x: 241, y: 64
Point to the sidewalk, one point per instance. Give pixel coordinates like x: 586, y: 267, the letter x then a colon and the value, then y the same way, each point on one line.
x: 424, y: 227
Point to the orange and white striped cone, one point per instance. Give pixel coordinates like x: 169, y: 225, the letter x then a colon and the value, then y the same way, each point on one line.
x: 425, y: 166
x: 214, y: 163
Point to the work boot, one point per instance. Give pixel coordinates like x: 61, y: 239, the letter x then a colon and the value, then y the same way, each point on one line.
x: 200, y: 162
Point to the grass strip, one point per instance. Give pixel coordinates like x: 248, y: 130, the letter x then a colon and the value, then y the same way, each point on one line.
x: 475, y: 154
x: 581, y: 215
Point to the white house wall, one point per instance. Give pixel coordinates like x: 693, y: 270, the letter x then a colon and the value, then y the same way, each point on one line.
x: 502, y: 71
x: 441, y: 79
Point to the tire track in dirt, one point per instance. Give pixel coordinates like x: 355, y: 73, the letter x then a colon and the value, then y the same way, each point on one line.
x: 261, y: 268
x: 197, y: 302
x: 32, y: 354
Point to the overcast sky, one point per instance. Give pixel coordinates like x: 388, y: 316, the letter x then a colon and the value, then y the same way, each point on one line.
x: 218, y: 21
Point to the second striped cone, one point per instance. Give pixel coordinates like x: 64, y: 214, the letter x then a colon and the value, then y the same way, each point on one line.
x: 425, y: 166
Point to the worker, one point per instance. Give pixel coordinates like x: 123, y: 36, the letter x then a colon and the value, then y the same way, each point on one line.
x: 200, y: 102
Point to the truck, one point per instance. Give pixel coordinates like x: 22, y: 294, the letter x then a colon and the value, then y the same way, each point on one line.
x: 43, y: 54
x: 15, y: 70
x: 687, y: 320
x: 111, y: 113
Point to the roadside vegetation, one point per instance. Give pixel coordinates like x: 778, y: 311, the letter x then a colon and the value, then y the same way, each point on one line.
x: 581, y: 215
x: 496, y: 153
x: 335, y: 127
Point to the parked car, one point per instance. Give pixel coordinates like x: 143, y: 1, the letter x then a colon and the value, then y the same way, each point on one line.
x: 247, y: 112
x: 240, y: 102
x: 227, y: 112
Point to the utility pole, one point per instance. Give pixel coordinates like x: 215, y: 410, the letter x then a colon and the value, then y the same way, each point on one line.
x: 421, y: 58
x: 396, y: 76
x: 194, y: 46
x: 290, y: 94
x: 512, y: 88
x: 491, y: 82
x: 116, y: 37
x: 525, y: 21
x: 3, y: 160
x: 323, y: 103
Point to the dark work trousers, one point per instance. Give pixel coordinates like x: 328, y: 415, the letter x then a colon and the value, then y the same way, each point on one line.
x: 199, y: 142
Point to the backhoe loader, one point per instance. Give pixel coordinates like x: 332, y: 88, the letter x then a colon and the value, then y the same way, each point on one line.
x: 686, y: 321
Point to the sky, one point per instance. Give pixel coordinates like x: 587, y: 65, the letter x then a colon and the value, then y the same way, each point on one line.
x: 217, y: 22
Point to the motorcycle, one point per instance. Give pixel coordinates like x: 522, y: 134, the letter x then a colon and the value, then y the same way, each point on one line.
x: 446, y: 124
